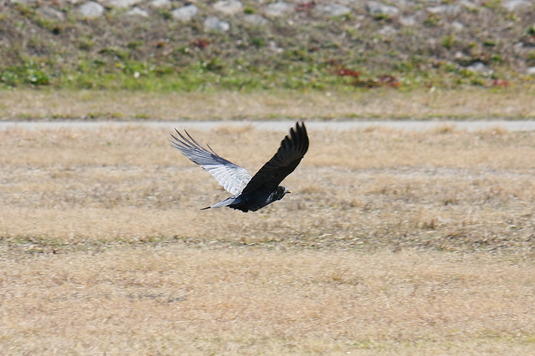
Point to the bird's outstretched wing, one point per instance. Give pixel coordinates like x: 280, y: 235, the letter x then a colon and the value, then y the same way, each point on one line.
x: 232, y: 177
x: 292, y: 149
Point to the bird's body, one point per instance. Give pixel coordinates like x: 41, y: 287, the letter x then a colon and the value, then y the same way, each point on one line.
x: 252, y: 202
x: 248, y: 193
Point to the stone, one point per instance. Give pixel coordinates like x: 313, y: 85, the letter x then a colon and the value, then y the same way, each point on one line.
x: 50, y: 13
x: 26, y: 2
x: 255, y: 19
x: 530, y: 71
x: 278, y: 9
x: 515, y: 5
x: 480, y: 68
x: 399, y: 3
x: 272, y: 46
x: 136, y: 11
x: 333, y: 9
x: 376, y: 8
x: 387, y: 31
x: 468, y: 4
x: 407, y: 20
x: 214, y: 24
x: 228, y: 7
x: 445, y: 9
x: 160, y: 4
x: 457, y: 26
x: 185, y: 13
x: 119, y: 4
x: 90, y: 10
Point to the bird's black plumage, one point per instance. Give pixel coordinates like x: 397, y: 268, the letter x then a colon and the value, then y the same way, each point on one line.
x: 248, y: 193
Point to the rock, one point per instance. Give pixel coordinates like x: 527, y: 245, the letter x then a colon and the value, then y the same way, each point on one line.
x: 278, y: 9
x: 387, y: 31
x: 228, y: 7
x: 27, y: 2
x: 160, y: 4
x: 214, y: 24
x: 480, y: 68
x: 255, y: 19
x: 333, y: 9
x: 185, y: 13
x: 90, y: 10
x: 120, y: 4
x: 445, y: 9
x: 136, y: 11
x: 376, y: 8
x: 407, y: 20
x: 468, y: 4
x: 530, y: 71
x: 399, y: 3
x: 274, y: 48
x: 457, y: 26
x: 50, y: 13
x: 515, y: 5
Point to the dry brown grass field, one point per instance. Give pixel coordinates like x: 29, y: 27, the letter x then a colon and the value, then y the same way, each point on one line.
x: 393, y: 243
x: 480, y: 103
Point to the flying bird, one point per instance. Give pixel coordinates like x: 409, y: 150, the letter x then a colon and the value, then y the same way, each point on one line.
x: 248, y: 193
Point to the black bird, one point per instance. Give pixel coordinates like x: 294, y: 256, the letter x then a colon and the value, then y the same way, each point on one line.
x: 248, y: 193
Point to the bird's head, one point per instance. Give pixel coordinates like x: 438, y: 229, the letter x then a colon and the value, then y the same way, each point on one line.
x: 281, y: 191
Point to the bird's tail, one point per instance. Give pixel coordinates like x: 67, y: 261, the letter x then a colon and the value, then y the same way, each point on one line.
x: 223, y: 203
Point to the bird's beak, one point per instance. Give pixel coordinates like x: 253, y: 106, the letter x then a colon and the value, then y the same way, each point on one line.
x: 289, y: 191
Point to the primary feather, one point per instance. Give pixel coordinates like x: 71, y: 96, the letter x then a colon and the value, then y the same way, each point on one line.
x: 232, y: 177
x: 289, y: 155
